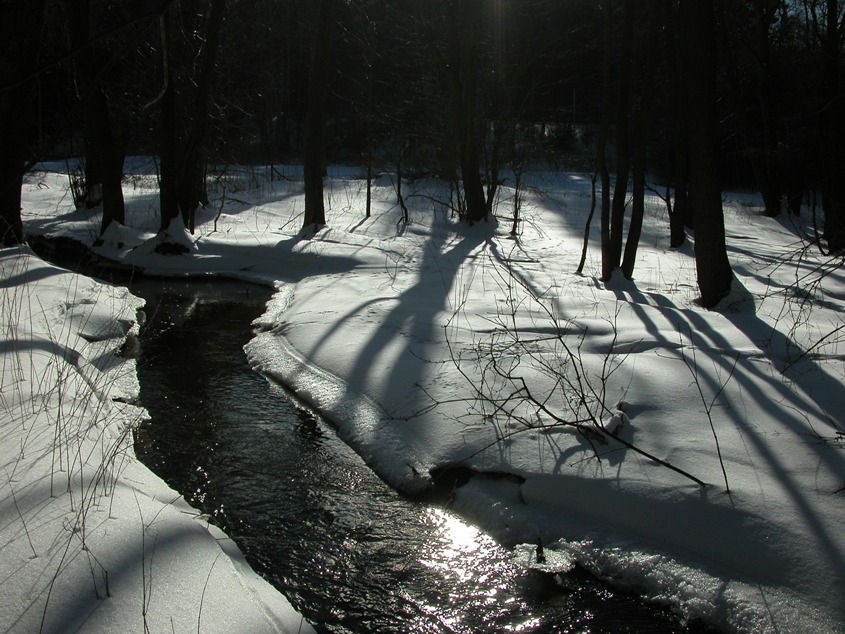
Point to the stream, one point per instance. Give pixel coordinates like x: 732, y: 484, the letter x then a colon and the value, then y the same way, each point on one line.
x: 350, y: 553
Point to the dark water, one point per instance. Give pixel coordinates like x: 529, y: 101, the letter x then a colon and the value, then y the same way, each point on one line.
x: 349, y: 552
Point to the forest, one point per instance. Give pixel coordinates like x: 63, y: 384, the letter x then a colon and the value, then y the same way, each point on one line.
x: 454, y: 309
x: 695, y: 98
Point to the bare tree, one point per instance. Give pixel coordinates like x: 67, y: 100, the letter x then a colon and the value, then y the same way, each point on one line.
x: 190, y: 42
x: 318, y: 85
x: 463, y: 83
x: 705, y: 196
x: 612, y: 251
x: 104, y: 145
x: 21, y: 23
x: 832, y: 121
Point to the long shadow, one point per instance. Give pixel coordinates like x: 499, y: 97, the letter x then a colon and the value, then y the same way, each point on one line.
x: 235, y: 205
x: 278, y: 261
x: 19, y: 279
x: 794, y: 362
x: 740, y: 370
x: 18, y: 346
x: 136, y: 559
x: 415, y: 315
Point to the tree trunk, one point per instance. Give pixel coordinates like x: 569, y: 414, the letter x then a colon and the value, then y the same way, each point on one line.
x: 638, y: 165
x: 169, y: 142
x: 680, y: 214
x: 112, y: 153
x: 463, y: 72
x: 13, y: 142
x: 104, y: 153
x: 318, y: 80
x: 705, y: 197
x: 185, y: 117
x: 601, y: 143
x: 639, y: 138
x: 832, y: 132
x: 769, y: 177
x: 20, y: 40
x: 193, y: 186
x: 623, y: 145
x: 370, y: 116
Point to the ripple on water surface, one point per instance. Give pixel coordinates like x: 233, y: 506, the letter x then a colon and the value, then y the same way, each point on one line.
x: 350, y: 553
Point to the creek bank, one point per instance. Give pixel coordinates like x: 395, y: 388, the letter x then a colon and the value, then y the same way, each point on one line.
x: 341, y: 549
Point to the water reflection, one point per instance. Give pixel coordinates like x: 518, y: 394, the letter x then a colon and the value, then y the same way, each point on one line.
x: 475, y: 573
x: 456, y: 546
x: 351, y: 554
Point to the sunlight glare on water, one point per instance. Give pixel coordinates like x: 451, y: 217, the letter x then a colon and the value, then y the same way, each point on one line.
x: 311, y: 517
x: 476, y: 572
x: 455, y: 546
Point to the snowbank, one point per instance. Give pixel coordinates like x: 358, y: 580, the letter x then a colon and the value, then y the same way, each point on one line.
x: 696, y: 456
x: 91, y: 539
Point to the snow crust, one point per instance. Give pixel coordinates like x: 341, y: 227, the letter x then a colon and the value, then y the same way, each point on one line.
x: 396, y: 332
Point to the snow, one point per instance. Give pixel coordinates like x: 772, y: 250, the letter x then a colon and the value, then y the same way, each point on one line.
x: 409, y: 338
x: 91, y: 539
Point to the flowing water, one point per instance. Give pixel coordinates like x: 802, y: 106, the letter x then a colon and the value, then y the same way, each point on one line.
x: 349, y: 552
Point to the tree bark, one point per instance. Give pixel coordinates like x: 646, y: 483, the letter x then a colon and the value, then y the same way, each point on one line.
x: 13, y: 142
x: 638, y: 170
x: 768, y: 173
x: 169, y: 133
x: 104, y: 152
x: 833, y: 131
x: 194, y: 191
x: 641, y: 117
x: 464, y: 69
x: 185, y: 117
x: 318, y: 80
x: 601, y: 142
x: 20, y: 24
x: 705, y: 197
x: 623, y: 144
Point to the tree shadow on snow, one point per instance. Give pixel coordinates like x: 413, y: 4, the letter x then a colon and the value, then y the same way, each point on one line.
x: 761, y: 389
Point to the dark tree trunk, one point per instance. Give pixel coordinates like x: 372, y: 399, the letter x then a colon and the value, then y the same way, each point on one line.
x: 20, y: 37
x: 400, y: 199
x: 185, y: 117
x: 493, y: 165
x: 169, y: 169
x: 638, y: 169
x: 193, y: 190
x: 114, y: 208
x: 623, y: 145
x: 370, y: 116
x: 104, y: 152
x: 639, y: 137
x: 832, y: 132
x: 769, y: 177
x: 601, y: 143
x: 463, y: 72
x: 680, y: 215
x: 318, y: 80
x: 14, y: 127
x: 13, y: 142
x: 705, y: 197
x: 476, y: 205
x: 587, y: 224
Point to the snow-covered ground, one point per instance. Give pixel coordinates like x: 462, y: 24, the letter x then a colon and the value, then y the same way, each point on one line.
x: 434, y: 344
x: 90, y: 539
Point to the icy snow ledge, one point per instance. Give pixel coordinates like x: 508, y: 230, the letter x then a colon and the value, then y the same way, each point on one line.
x: 542, y: 505
x: 91, y: 540
x: 361, y: 423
